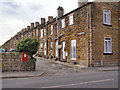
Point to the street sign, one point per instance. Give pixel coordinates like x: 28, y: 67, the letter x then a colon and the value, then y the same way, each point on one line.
x: 59, y: 46
x: 25, y: 57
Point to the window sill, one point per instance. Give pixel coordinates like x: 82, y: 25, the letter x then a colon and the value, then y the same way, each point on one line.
x: 107, y: 53
x: 71, y: 24
x: 62, y: 27
x: 73, y: 58
x: 107, y: 25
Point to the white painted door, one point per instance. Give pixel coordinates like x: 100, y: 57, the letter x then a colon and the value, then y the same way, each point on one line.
x: 63, y: 49
x: 44, y: 48
x: 56, y: 48
x: 73, y: 49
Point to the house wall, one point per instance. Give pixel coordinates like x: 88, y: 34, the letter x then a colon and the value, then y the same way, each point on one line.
x: 71, y: 32
x: 119, y: 33
x: 51, y: 38
x: 88, y: 31
x: 100, y: 31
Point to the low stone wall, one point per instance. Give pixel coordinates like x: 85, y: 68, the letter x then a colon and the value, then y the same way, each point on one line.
x: 13, y: 62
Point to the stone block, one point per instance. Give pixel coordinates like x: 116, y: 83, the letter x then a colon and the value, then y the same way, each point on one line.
x: 15, y: 63
x: 3, y: 55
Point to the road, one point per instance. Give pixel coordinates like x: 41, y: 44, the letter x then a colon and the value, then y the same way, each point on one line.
x: 58, y: 76
x: 79, y: 80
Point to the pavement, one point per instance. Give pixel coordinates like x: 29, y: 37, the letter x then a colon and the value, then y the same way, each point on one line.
x: 40, y: 70
x: 63, y: 63
x: 100, y: 68
x: 27, y: 74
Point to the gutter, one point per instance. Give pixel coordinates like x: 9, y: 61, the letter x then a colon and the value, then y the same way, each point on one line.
x: 88, y: 36
x: 75, y: 10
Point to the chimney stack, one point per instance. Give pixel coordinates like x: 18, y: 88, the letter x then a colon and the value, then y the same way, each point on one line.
x: 42, y: 20
x: 25, y: 29
x: 82, y: 2
x: 50, y: 18
x: 60, y: 12
x: 28, y: 27
x: 36, y: 24
x: 22, y: 30
x: 32, y: 25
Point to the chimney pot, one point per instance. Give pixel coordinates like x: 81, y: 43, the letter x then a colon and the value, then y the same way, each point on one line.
x: 28, y: 27
x: 36, y: 24
x: 42, y: 20
x: 60, y: 11
x: 82, y: 2
x: 32, y: 25
x: 50, y: 18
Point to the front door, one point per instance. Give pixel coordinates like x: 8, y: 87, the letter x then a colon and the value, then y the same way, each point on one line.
x: 56, y: 48
x: 45, y: 49
x: 63, y: 49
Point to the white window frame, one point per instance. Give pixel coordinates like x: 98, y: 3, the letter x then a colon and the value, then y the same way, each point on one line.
x: 41, y: 48
x: 71, y: 19
x: 56, y: 48
x: 36, y: 32
x: 73, y: 44
x: 45, y: 48
x: 30, y: 34
x: 51, y: 30
x: 51, y: 45
x: 63, y: 49
x: 22, y: 36
x: 107, y: 45
x: 63, y: 23
x: 44, y: 31
x: 107, y: 17
x: 41, y: 33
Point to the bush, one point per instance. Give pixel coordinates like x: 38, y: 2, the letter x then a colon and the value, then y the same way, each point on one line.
x: 29, y: 45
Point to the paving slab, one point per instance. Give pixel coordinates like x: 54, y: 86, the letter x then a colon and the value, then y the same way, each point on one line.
x: 21, y: 74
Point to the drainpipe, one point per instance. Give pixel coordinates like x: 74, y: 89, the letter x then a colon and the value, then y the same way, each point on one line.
x: 88, y: 36
x: 46, y: 41
x: 58, y: 37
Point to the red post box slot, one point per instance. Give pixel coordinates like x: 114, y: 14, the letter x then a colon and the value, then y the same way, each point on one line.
x: 25, y: 57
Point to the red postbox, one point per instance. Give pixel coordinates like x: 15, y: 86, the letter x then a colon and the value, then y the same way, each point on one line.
x: 25, y: 57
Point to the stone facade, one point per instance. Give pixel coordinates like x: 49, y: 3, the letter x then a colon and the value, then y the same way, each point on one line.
x: 14, y: 62
x: 101, y: 30
x: 85, y: 26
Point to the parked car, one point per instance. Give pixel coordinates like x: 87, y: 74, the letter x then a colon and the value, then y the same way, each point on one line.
x: 12, y: 50
x: 2, y: 50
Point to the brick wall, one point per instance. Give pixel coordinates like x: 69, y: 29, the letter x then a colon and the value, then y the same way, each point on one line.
x: 100, y: 31
x: 13, y: 62
x: 90, y: 44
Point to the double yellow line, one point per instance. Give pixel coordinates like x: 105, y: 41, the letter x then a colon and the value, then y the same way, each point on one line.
x: 0, y: 65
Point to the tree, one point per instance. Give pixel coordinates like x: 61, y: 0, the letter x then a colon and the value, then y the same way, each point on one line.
x: 29, y: 45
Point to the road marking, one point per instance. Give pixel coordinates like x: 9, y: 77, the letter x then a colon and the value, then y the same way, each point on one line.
x: 79, y: 83
x: 0, y: 65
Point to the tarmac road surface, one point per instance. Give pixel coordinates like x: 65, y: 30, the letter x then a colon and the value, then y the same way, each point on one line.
x: 58, y: 76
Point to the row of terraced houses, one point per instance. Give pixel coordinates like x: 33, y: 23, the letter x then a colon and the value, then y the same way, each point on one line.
x: 86, y: 36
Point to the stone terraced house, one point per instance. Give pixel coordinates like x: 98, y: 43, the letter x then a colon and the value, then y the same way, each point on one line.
x: 86, y: 36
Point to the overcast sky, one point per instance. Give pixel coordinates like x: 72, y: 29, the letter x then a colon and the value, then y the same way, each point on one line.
x: 17, y: 14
